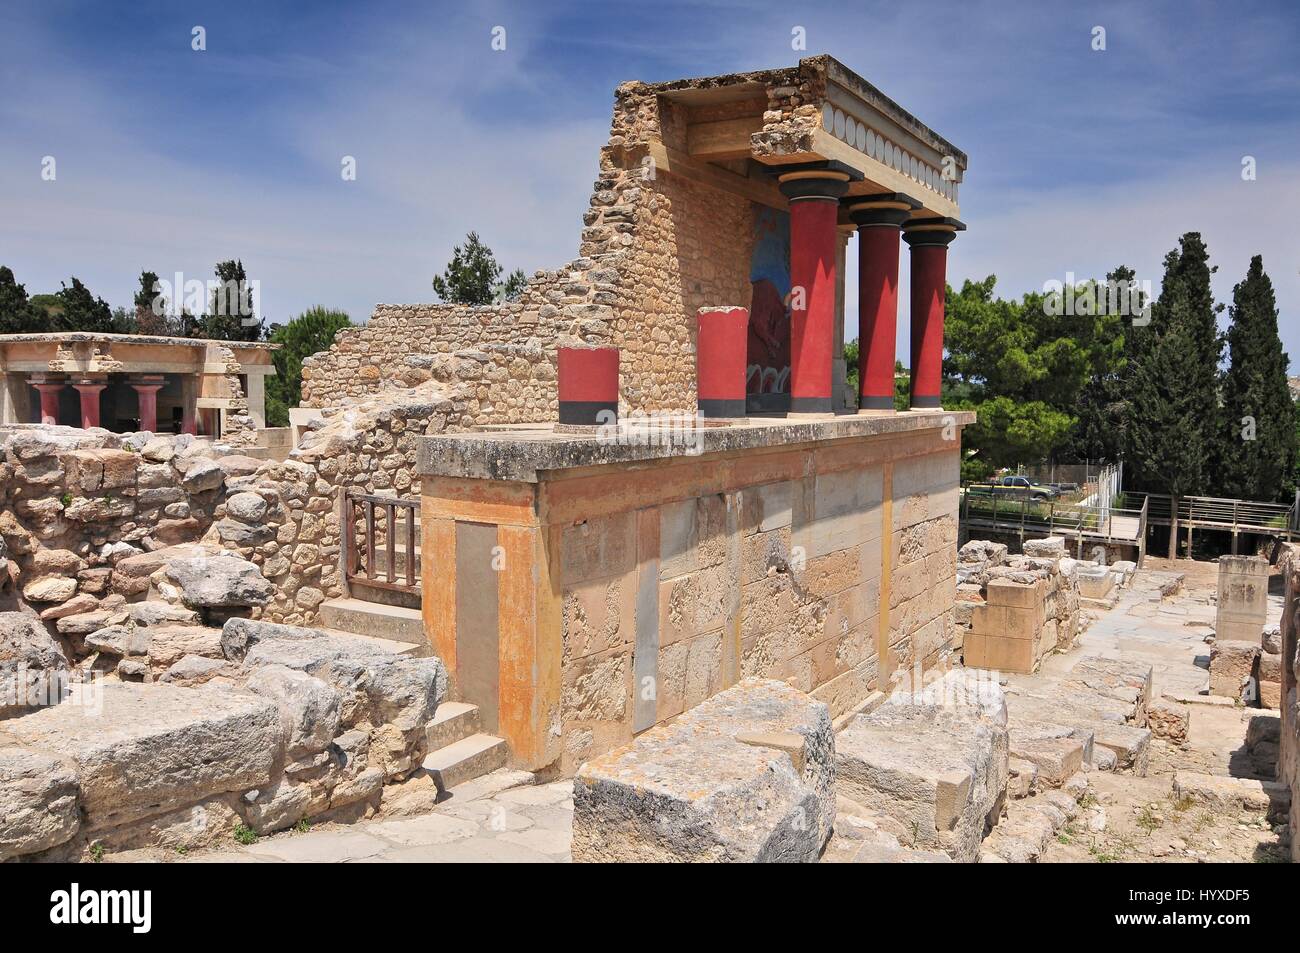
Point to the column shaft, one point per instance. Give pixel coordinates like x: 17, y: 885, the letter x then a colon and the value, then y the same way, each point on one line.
x: 89, y: 391
x: 929, y: 239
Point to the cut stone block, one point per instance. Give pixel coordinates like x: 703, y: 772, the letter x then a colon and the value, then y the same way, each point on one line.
x: 1232, y: 666
x: 1120, y: 679
x: 38, y: 801
x: 720, y: 783
x: 940, y: 772
x: 1227, y: 794
x: 141, y: 749
x: 1054, y: 749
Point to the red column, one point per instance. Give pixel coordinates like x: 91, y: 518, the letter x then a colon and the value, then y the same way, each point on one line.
x: 588, y: 385
x: 50, y: 391
x: 720, y: 342
x: 814, y: 212
x: 879, y: 219
x: 146, y: 392
x: 929, y: 239
x: 89, y: 391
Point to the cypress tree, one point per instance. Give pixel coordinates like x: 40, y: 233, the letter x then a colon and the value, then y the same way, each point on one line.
x: 1173, y: 375
x: 1258, y: 450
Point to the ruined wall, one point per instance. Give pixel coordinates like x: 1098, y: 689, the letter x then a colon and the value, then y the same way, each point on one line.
x: 287, y: 517
x: 81, y: 510
x: 655, y: 246
x: 1288, y: 766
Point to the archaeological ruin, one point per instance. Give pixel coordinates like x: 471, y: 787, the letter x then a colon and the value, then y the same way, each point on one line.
x: 619, y: 570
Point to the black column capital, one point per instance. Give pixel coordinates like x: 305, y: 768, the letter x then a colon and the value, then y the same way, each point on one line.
x: 920, y: 232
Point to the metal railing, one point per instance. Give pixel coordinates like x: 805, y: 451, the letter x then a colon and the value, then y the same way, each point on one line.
x: 381, y: 541
x: 1050, y: 517
x: 1236, y: 516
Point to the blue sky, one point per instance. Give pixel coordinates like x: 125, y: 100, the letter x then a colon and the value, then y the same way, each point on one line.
x: 171, y: 159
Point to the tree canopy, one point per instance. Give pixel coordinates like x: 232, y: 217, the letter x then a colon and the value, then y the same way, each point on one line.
x: 308, y: 333
x: 473, y: 276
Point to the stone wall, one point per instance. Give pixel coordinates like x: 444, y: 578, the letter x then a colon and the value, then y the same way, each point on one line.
x: 286, y: 518
x: 1289, y: 741
x: 644, y: 590
x: 82, y: 510
x: 657, y: 243
x: 1011, y: 610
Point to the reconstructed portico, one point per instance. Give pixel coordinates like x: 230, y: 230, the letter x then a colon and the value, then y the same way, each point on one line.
x: 134, y: 382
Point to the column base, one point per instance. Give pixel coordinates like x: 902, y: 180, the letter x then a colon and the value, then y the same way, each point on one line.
x: 721, y: 407
x: 589, y: 413
x: 875, y: 403
x: 921, y: 402
x: 811, y: 405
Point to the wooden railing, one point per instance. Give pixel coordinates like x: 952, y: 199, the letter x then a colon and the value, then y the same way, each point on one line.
x: 380, y: 541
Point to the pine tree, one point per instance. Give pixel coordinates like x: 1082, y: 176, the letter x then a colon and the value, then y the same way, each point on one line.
x: 1172, y: 381
x: 230, y: 314
x: 82, y: 311
x: 305, y: 335
x: 1259, y: 442
x: 17, y: 315
x: 151, y: 319
x: 471, y: 277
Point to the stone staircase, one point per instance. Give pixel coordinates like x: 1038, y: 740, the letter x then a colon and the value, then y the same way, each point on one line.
x: 458, y: 750
x: 376, y: 620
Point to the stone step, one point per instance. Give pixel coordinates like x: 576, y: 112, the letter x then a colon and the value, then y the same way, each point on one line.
x: 466, y: 760
x: 452, y: 722
x: 396, y: 623
x: 388, y: 646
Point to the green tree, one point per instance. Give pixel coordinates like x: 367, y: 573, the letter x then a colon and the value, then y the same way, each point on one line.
x: 151, y: 318
x: 473, y: 276
x: 82, y: 311
x: 1172, y: 379
x: 1259, y: 440
x: 230, y: 315
x: 1024, y: 366
x: 17, y: 314
x: 309, y: 333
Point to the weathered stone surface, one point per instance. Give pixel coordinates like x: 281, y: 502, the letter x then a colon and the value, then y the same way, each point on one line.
x: 1232, y: 666
x: 309, y: 708
x: 203, y: 474
x: 1055, y: 750
x: 747, y: 775
x: 38, y: 801
x: 50, y: 589
x: 218, y: 581
x: 1226, y: 794
x: 194, y: 670
x: 276, y: 806
x: 941, y: 772
x: 246, y: 507
x: 142, y: 749
x: 1169, y: 721
x: 32, y: 664
x: 118, y: 640
x: 169, y: 643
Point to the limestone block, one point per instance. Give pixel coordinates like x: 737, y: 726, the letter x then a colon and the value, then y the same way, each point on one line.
x: 941, y: 772
x: 144, y: 748
x: 38, y: 801
x: 32, y: 664
x: 1054, y: 750
x: 746, y: 776
x: 50, y: 589
x: 1053, y: 547
x: 1232, y: 666
x: 1169, y: 721
x: 218, y: 581
x: 168, y: 644
x: 1225, y: 793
